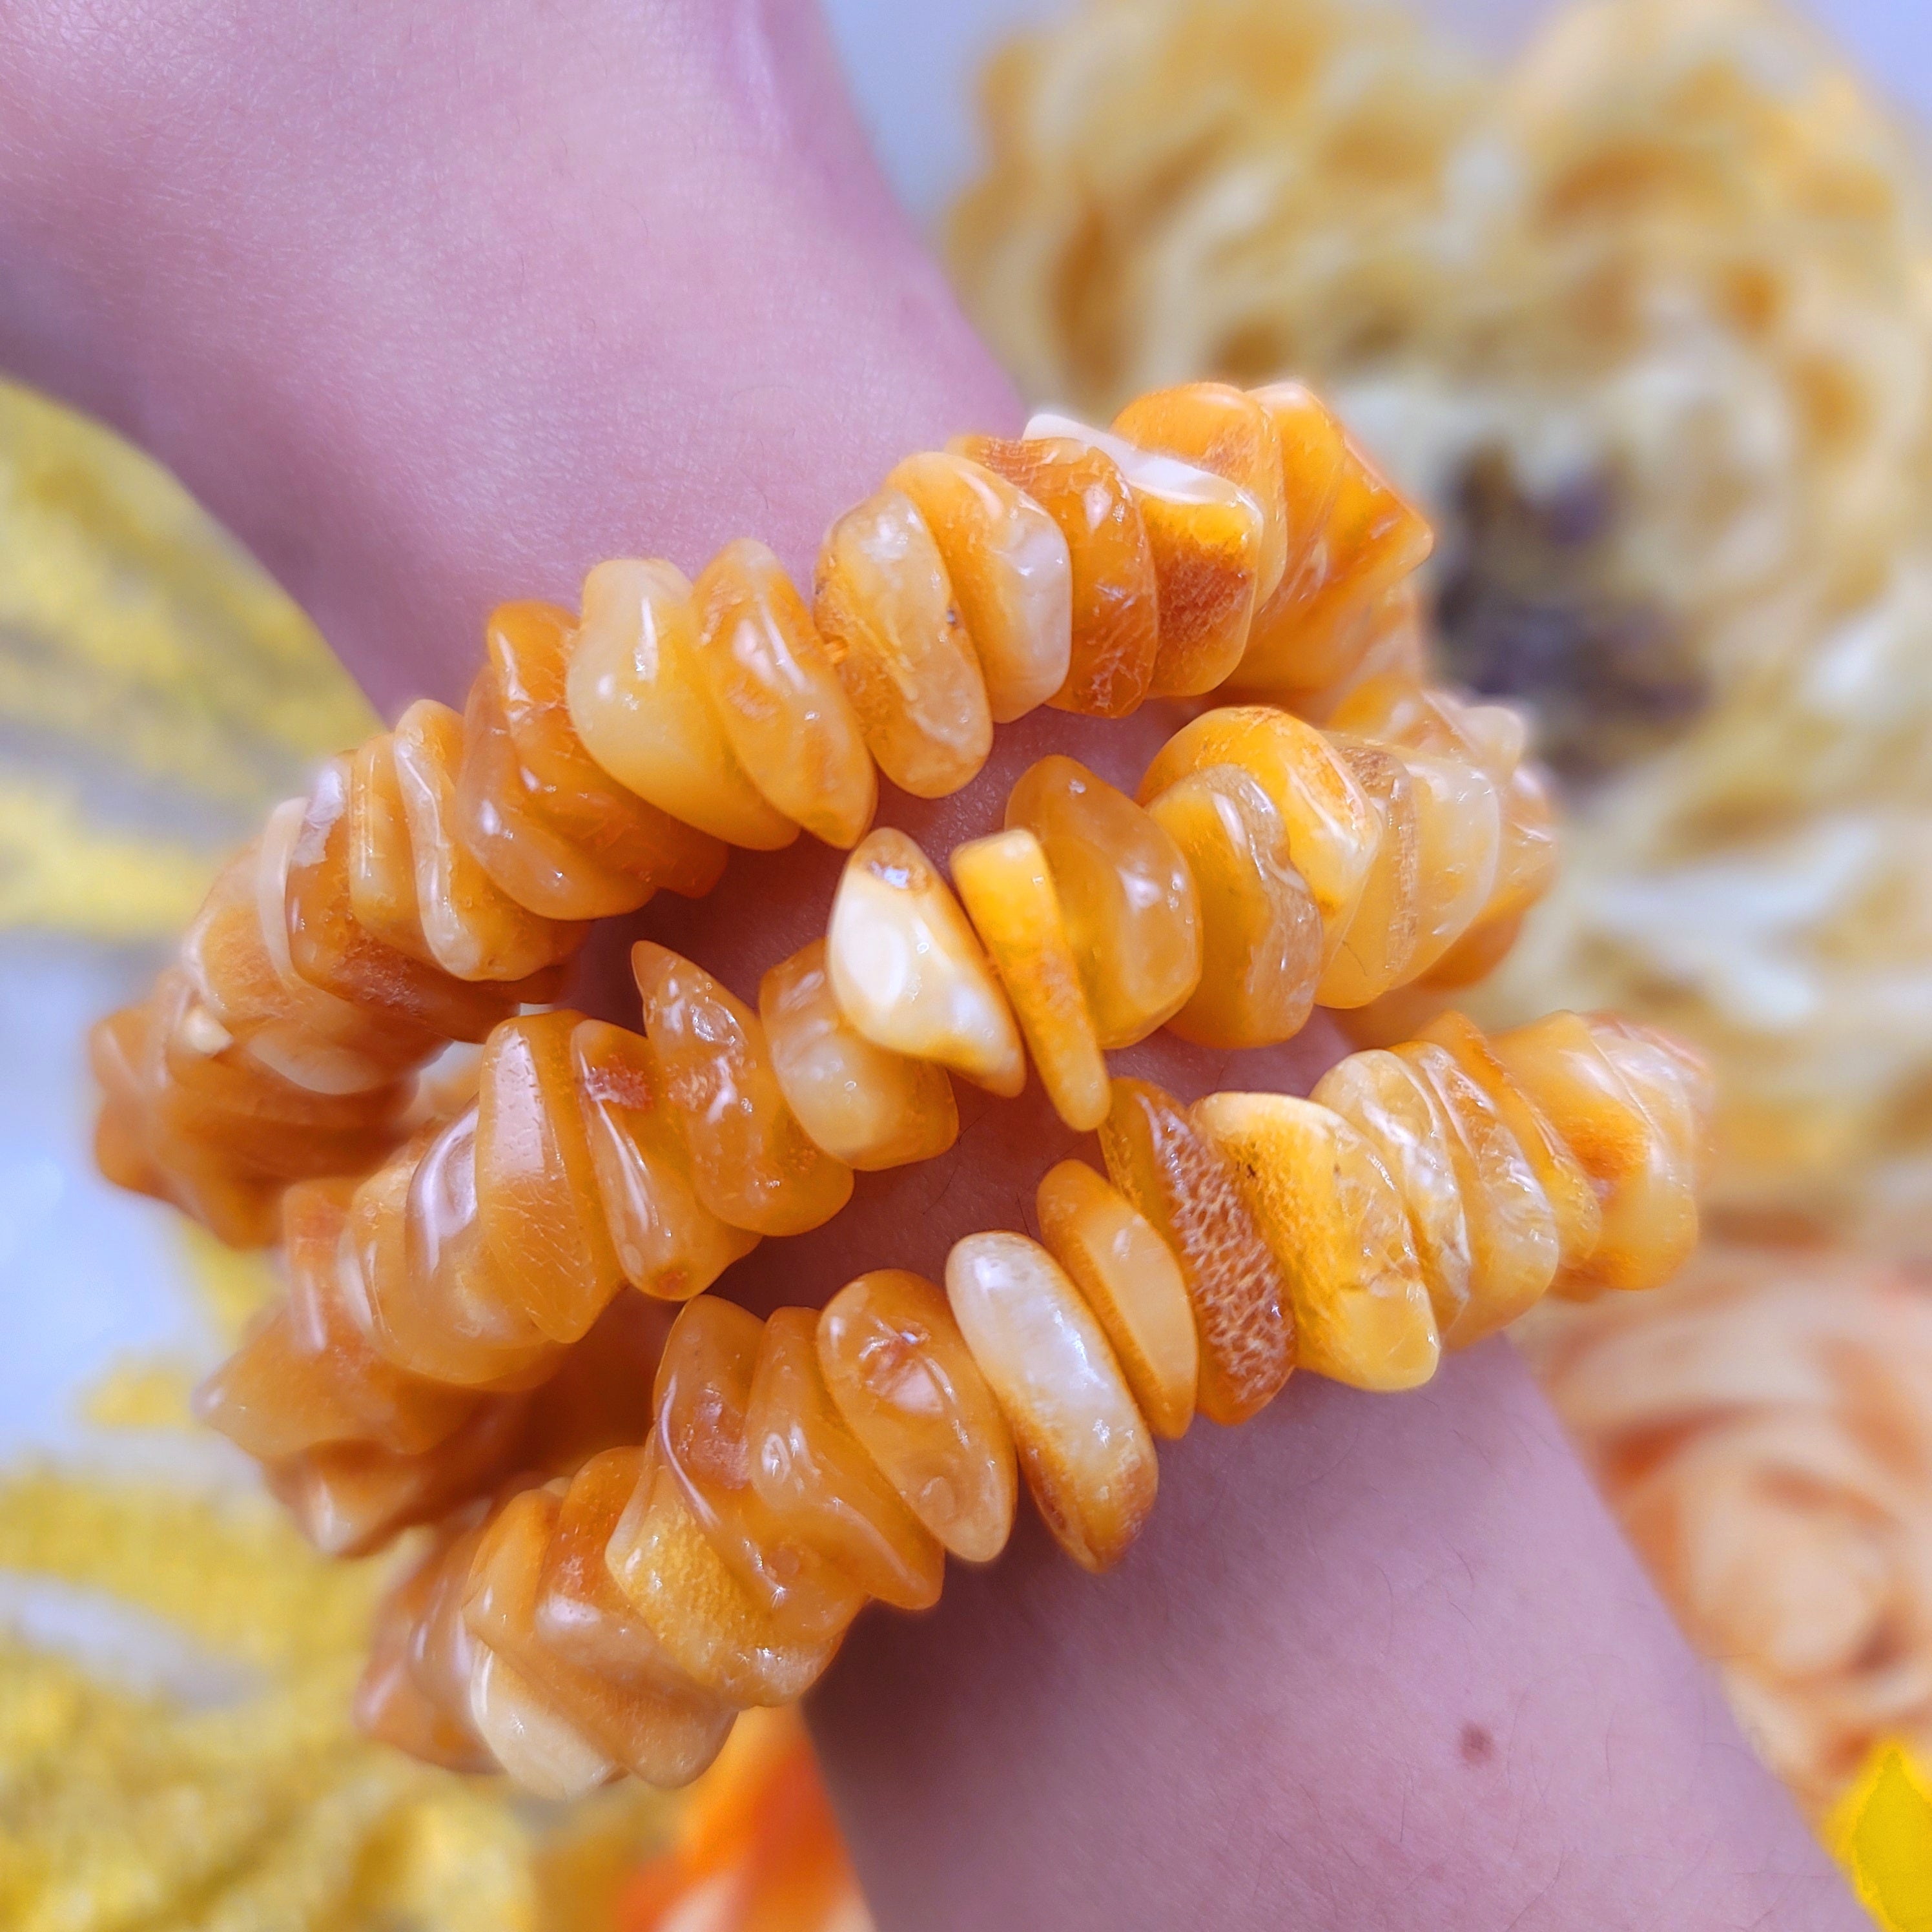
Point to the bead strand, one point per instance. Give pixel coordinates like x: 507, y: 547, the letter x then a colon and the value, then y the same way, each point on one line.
x: 611, y: 1621
x: 594, y: 1157
x: 438, y: 878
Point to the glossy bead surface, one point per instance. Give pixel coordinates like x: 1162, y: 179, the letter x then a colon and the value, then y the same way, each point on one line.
x: 1115, y: 626
x: 1224, y: 429
x: 884, y: 606
x: 1129, y: 1278
x: 908, y: 972
x: 1572, y: 1201
x: 1332, y: 828
x: 702, y: 1397
x: 471, y: 926
x: 863, y: 1103
x: 784, y: 712
x: 752, y: 1163
x: 547, y: 1754
x: 1261, y: 936
x: 641, y: 703
x: 1204, y: 536
x: 536, y: 1184
x: 1458, y: 840
x: 1513, y: 1236
x: 1357, y: 537
x: 1083, y: 1445
x: 1328, y: 1209
x: 1178, y: 1181
x: 1011, y: 573
x: 1373, y: 954
x: 1009, y: 895
x: 654, y: 1719
x: 814, y: 1475
x: 1128, y: 900
x: 1387, y: 1101
x: 667, y: 1242
x: 714, y: 1630
x: 529, y: 646
x: 902, y: 1377
x: 1645, y: 1181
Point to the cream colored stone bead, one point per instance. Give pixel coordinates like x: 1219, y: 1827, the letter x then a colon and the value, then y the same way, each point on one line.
x: 533, y: 1741
x: 1387, y: 1101
x: 1458, y: 838
x: 884, y: 606
x: 1207, y: 536
x: 908, y: 972
x: 863, y: 1103
x: 1009, y: 897
x: 1088, y: 1459
x: 1133, y: 1282
x: 1512, y: 1238
x: 1579, y: 1216
x: 1011, y: 572
x: 1376, y: 946
x: 1132, y: 914
x: 1332, y: 827
x: 1328, y: 1209
x: 639, y: 700
x: 907, y: 1384
x: 471, y: 928
x: 1222, y: 428
x: 779, y: 701
x: 1261, y: 936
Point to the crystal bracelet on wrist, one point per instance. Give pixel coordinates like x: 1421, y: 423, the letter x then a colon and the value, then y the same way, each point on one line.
x: 455, y: 1344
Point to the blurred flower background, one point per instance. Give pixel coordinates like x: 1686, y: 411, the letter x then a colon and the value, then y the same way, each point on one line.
x: 1644, y: 317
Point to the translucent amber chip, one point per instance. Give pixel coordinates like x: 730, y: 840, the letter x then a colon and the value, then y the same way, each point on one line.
x: 1359, y: 538
x: 1128, y: 900
x: 1388, y: 1102
x: 641, y: 703
x: 472, y: 927
x: 1011, y: 573
x: 1204, y: 535
x: 691, y: 1600
x: 1179, y: 1182
x: 901, y: 1375
x: 536, y: 1183
x: 1645, y: 1182
x: 547, y: 1754
x: 1332, y: 827
x: 529, y: 646
x: 1374, y: 952
x: 655, y: 1720
x: 667, y: 1242
x: 1009, y: 895
x: 1131, y: 1280
x: 703, y: 1399
x: 885, y: 607
x: 783, y: 710
x: 1115, y: 624
x: 1512, y: 1236
x: 1328, y: 1209
x: 863, y: 1103
x: 814, y: 1475
x: 908, y: 971
x: 1088, y: 1459
x: 1261, y: 936
x: 752, y: 1163
x: 1225, y: 430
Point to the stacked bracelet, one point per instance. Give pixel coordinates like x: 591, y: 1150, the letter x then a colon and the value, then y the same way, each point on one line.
x: 613, y: 1617
x: 455, y: 1347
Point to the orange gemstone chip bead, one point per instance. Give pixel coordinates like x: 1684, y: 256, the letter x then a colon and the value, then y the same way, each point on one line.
x: 752, y: 1163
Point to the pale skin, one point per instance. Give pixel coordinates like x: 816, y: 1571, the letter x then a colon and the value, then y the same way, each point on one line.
x: 436, y: 304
